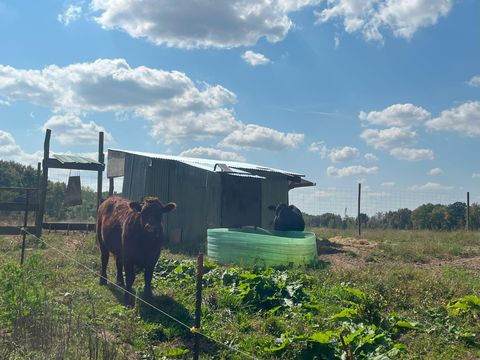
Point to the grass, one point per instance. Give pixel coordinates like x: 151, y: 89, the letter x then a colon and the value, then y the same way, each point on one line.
x: 274, y: 314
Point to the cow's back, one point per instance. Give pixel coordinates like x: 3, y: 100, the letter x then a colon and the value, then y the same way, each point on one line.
x: 289, y: 219
x: 111, y: 217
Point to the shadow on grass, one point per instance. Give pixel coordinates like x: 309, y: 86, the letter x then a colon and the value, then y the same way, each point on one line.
x: 326, y: 247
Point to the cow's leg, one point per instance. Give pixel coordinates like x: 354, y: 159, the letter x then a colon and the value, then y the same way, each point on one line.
x: 105, y: 255
x: 129, y: 279
x: 119, y: 271
x: 148, y: 282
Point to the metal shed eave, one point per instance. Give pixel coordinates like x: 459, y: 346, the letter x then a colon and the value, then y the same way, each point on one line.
x: 208, y: 164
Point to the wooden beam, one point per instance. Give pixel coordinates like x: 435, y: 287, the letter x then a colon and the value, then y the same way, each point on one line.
x: 11, y: 206
x: 69, y: 226
x: 14, y: 230
x: 55, y: 164
x: 19, y: 189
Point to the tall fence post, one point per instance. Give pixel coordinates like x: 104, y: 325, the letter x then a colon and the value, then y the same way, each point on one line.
x: 358, y: 213
x: 43, y: 188
x: 468, y: 211
x: 101, y: 159
x: 25, y: 223
x: 198, y: 306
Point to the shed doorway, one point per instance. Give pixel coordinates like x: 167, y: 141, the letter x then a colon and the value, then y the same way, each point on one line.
x: 241, y: 201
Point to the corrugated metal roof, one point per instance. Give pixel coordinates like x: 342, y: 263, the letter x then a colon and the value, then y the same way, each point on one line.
x: 208, y: 164
x: 68, y: 158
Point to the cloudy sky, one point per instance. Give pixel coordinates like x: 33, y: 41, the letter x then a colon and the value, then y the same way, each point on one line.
x: 386, y: 92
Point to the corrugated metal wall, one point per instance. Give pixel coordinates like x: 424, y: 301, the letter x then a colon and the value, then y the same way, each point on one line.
x: 135, y: 175
x: 197, y: 195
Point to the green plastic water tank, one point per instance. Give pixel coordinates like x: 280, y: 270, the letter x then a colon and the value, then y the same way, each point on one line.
x: 249, y: 246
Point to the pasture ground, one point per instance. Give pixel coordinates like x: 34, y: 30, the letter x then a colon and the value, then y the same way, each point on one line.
x: 388, y: 294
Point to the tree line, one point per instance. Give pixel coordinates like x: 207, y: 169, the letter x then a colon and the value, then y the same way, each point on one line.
x: 425, y: 217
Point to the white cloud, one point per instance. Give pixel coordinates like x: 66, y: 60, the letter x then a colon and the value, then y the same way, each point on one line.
x: 388, y: 184
x: 351, y: 170
x: 340, y: 154
x: 400, y: 115
x: 70, y: 129
x: 410, y: 154
x: 346, y: 153
x: 211, y: 153
x: 199, y: 24
x: 259, y: 137
x: 476, y: 175
x: 71, y: 14
x: 435, y: 172
x: 319, y: 147
x: 336, y: 40
x: 388, y: 138
x: 370, y: 157
x: 463, y: 119
x: 430, y: 186
x: 176, y: 107
x: 9, y: 150
x: 474, y: 81
x: 371, y: 17
x: 254, y: 58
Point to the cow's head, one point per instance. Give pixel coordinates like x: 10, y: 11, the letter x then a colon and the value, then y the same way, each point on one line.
x: 151, y: 210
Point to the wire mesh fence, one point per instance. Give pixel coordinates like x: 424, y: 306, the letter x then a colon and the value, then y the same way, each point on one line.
x: 413, y: 208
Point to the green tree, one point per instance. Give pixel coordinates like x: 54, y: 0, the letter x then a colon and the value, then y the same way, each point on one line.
x: 421, y: 216
x: 456, y: 215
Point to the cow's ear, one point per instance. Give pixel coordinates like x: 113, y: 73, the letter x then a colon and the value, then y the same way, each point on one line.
x: 272, y: 207
x: 169, y: 207
x: 136, y: 206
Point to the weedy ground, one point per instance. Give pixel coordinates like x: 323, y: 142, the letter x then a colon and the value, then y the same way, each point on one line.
x: 386, y: 294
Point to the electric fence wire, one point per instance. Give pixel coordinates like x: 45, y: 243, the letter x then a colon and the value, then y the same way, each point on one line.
x: 192, y: 329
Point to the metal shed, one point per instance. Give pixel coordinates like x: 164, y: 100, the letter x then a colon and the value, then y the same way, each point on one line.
x: 208, y: 193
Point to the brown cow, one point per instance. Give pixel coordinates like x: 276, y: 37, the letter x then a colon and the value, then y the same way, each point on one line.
x: 133, y: 232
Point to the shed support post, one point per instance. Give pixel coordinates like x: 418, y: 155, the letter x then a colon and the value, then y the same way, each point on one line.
x: 110, y: 186
x: 43, y: 186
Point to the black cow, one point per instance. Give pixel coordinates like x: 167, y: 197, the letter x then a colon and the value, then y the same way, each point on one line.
x: 287, y: 218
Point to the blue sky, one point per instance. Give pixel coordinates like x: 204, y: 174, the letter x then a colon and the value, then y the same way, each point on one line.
x: 385, y: 92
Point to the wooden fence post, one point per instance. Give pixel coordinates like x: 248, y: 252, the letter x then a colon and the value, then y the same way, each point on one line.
x: 43, y: 188
x: 198, y: 306
x: 101, y: 160
x: 25, y: 223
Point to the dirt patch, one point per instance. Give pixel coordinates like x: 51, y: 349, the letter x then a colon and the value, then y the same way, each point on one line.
x: 348, y: 253
x: 345, y: 253
x: 468, y: 263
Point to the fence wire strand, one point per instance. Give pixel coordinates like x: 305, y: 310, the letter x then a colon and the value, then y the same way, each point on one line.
x: 138, y: 298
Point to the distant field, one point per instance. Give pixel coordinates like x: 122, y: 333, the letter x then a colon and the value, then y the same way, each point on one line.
x: 388, y: 294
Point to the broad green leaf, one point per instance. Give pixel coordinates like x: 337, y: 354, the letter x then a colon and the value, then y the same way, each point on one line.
x: 404, y: 324
x: 322, y: 337
x: 347, y: 313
